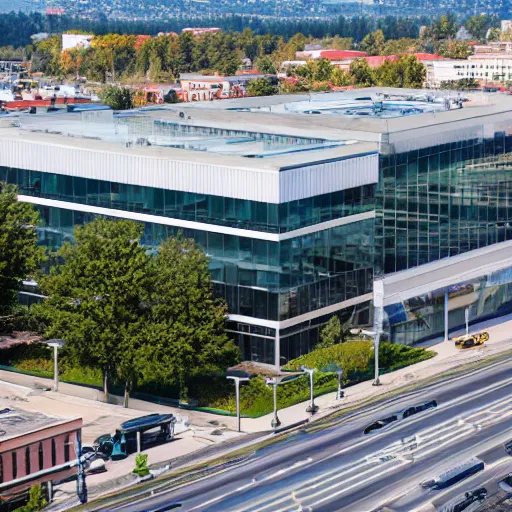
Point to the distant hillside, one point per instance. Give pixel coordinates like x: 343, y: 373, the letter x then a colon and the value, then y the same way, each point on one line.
x: 167, y: 9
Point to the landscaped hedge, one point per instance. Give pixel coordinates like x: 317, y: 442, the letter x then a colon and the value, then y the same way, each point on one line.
x: 215, y: 391
x: 356, y: 358
x: 37, y: 359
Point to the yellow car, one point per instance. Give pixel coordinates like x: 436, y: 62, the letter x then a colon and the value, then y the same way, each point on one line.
x: 471, y: 340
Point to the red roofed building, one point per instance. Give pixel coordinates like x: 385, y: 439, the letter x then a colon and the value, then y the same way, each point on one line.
x: 428, y: 56
x: 378, y: 60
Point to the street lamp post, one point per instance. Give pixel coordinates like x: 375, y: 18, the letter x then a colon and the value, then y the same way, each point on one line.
x: 274, y: 382
x: 56, y: 344
x: 237, y: 390
x: 339, y: 373
x: 312, y: 408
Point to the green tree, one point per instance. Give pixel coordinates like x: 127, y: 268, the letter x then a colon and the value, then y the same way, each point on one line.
x: 397, y: 46
x: 444, y: 27
x: 331, y: 334
x: 155, y: 69
x: 322, y: 70
x: 479, y: 25
x: 248, y: 43
x: 362, y: 73
x: 373, y: 43
x: 260, y: 87
x: 407, y: 71
x: 334, y: 332
x: 341, y: 43
x: 186, y: 334
x: 340, y: 78
x: 117, y: 98
x: 265, y: 65
x: 36, y: 501
x: 19, y: 254
x: 454, y: 49
x: 97, y: 300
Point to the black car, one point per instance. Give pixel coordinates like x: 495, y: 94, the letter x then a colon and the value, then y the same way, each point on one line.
x: 470, y: 498
x: 380, y: 424
x: 415, y: 409
x: 508, y: 447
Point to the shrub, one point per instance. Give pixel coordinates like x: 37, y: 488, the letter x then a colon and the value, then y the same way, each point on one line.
x: 356, y: 358
x: 36, y: 501
x: 141, y: 465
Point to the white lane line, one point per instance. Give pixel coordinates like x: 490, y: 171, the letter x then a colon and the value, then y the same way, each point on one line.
x: 255, y: 482
x: 301, y: 490
x: 345, y: 489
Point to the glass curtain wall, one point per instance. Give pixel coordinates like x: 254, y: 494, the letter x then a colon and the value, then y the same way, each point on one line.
x: 444, y: 200
x: 224, y: 211
x: 261, y: 279
x: 422, y: 317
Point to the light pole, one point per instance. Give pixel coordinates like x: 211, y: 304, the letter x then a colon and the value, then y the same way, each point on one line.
x: 237, y: 390
x: 274, y: 382
x: 376, y: 342
x: 312, y: 408
x: 56, y: 344
x: 338, y: 370
x: 339, y: 373
x: 378, y: 304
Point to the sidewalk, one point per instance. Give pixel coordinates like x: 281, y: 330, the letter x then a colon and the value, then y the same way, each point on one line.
x: 447, y: 358
x: 197, y: 430
x: 72, y: 398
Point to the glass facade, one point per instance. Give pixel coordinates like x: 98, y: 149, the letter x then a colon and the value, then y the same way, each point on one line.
x: 261, y: 279
x: 421, y: 318
x: 224, y: 211
x: 430, y: 203
x: 443, y: 200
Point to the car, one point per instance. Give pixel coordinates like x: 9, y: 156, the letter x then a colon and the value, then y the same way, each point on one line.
x: 471, y: 497
x: 508, y: 447
x: 471, y: 340
x: 376, y: 425
x: 506, y: 484
x: 406, y: 413
x: 415, y: 409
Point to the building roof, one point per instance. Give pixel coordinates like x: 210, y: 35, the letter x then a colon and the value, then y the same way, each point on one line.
x: 15, y: 422
x: 428, y: 56
x: 378, y: 60
x: 311, y: 127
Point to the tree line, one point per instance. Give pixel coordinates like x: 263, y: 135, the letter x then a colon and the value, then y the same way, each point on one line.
x: 128, y: 58
x: 16, y: 29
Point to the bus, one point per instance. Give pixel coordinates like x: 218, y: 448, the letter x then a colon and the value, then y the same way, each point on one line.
x: 455, y: 475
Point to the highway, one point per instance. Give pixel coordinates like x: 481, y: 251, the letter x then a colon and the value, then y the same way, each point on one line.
x: 334, y: 466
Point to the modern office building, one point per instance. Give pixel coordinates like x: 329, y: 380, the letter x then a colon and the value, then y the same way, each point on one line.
x: 301, y: 202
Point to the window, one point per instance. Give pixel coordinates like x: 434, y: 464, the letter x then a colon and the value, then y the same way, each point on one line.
x: 66, y: 450
x: 54, y: 453
x: 41, y: 457
x: 27, y: 460
x: 14, y: 465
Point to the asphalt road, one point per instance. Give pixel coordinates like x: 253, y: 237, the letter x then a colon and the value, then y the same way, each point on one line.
x: 337, y: 467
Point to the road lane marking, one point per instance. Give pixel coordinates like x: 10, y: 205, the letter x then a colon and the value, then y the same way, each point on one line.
x: 254, y: 483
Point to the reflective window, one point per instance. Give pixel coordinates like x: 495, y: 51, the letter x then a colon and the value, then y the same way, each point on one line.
x: 204, y: 208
